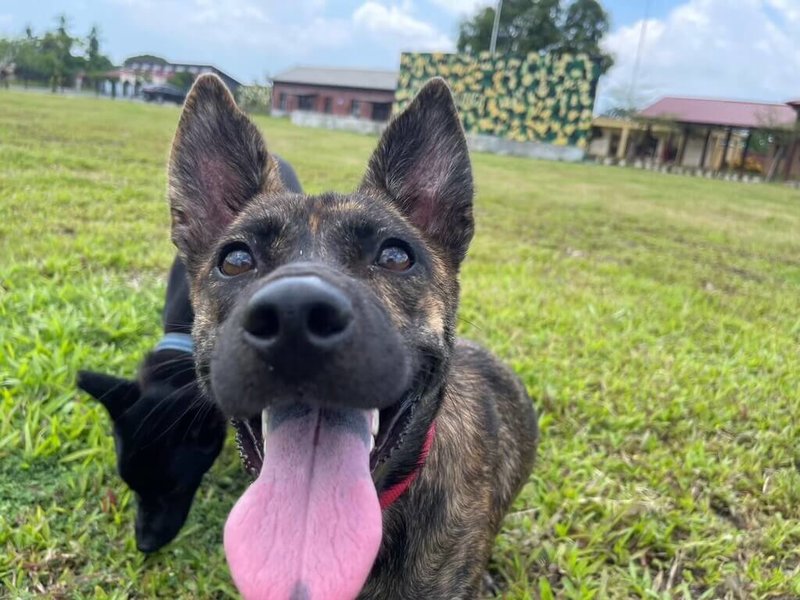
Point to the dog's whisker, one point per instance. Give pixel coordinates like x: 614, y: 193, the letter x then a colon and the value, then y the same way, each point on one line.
x: 201, y: 413
x: 204, y: 408
x: 468, y: 322
x: 159, y: 405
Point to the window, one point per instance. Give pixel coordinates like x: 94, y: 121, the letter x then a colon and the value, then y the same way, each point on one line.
x: 328, y: 105
x: 307, y: 102
x: 355, y: 108
x: 282, y: 101
x: 381, y: 111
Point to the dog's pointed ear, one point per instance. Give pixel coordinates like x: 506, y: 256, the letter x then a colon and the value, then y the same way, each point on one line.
x: 422, y: 164
x: 219, y: 161
x: 115, y: 393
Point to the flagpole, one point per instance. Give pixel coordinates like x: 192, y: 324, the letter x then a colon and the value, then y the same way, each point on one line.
x: 495, y: 27
x: 640, y: 47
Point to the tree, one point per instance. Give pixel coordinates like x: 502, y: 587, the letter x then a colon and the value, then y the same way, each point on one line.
x: 623, y: 102
x: 56, y: 57
x: 145, y: 58
x: 182, y: 80
x: 7, y: 51
x: 782, y: 138
x: 585, y: 25
x: 96, y: 64
x: 56, y: 47
x: 29, y: 61
x: 525, y: 26
x: 93, y: 45
x: 475, y: 34
x: 539, y: 26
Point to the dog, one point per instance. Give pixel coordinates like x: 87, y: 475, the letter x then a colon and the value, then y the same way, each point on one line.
x: 387, y: 451
x: 167, y: 436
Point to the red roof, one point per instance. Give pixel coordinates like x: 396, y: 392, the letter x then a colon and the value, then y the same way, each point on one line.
x: 724, y: 113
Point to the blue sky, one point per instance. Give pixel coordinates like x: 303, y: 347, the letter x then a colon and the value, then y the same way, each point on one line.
x: 747, y: 49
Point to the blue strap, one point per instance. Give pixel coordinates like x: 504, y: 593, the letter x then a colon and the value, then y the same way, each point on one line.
x: 182, y: 342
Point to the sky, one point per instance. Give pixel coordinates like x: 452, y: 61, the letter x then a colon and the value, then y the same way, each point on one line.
x: 740, y: 49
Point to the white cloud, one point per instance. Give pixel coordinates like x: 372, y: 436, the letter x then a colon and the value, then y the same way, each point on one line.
x: 219, y: 13
x: 250, y: 24
x: 397, y: 24
x: 463, y: 7
x: 788, y: 8
x: 719, y: 48
x: 297, y: 32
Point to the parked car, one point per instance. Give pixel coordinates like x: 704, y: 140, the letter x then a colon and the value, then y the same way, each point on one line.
x: 163, y: 93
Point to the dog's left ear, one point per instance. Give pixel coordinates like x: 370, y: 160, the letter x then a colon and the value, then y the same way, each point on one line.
x: 422, y: 164
x: 115, y: 393
x: 219, y: 161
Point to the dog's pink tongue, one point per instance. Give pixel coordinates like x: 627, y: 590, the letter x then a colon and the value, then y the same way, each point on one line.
x: 309, y: 528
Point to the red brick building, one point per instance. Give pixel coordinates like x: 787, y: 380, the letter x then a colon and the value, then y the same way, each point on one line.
x: 360, y: 93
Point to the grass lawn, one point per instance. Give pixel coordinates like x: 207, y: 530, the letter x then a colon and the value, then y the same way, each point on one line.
x: 654, y: 319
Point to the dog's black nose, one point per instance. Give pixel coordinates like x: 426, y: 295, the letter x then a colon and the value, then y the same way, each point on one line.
x: 297, y: 314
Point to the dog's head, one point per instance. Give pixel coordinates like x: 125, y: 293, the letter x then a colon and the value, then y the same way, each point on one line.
x: 166, y: 438
x: 330, y: 316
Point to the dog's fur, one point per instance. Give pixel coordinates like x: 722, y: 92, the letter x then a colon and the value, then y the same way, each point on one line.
x: 403, y: 355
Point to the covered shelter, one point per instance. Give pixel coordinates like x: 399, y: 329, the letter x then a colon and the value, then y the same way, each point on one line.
x: 719, y: 134
x: 705, y: 135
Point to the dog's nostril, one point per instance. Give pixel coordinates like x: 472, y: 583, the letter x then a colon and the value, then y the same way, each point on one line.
x: 297, y: 314
x: 263, y: 323
x: 326, y: 320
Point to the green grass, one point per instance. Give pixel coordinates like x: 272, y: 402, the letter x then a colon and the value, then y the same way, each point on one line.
x: 653, y: 318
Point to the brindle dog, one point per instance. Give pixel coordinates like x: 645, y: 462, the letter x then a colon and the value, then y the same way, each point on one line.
x: 327, y: 323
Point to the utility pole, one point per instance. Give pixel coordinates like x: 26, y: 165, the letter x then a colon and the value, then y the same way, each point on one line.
x: 495, y: 27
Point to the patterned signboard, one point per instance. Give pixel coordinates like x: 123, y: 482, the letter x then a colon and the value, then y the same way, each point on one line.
x: 545, y: 98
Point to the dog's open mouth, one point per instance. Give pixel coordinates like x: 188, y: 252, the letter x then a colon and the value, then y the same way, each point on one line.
x: 310, y: 525
x: 387, y: 429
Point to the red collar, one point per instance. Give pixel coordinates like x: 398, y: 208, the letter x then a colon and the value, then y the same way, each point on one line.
x: 390, y: 495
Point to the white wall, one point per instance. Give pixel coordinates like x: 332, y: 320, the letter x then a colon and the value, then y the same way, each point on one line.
x: 694, y: 151
x: 600, y: 146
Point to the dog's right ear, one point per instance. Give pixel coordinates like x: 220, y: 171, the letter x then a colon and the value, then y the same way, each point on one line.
x: 219, y: 161
x: 115, y: 393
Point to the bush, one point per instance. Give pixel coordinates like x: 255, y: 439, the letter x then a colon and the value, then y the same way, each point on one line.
x: 255, y: 98
x: 751, y: 165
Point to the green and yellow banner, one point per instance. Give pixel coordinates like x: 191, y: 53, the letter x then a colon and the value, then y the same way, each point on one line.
x: 544, y: 98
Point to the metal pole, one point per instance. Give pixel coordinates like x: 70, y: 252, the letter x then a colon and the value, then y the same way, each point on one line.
x: 639, y: 49
x: 496, y: 26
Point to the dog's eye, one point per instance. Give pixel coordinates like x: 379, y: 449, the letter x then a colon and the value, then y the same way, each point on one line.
x: 236, y: 261
x: 395, y: 257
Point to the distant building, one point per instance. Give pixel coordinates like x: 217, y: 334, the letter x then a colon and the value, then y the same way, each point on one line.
x: 707, y: 135
x: 359, y: 93
x: 139, y: 71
